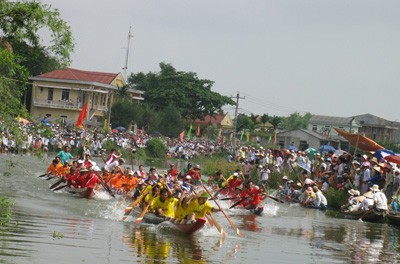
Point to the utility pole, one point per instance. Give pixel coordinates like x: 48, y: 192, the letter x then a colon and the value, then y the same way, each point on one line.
x: 235, y: 123
x: 125, y: 68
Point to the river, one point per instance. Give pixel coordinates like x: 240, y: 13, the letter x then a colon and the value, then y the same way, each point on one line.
x: 51, y: 227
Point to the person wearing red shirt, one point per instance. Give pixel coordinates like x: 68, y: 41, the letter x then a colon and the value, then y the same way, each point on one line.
x: 254, y: 194
x: 173, y: 172
x: 194, y: 173
x: 91, y: 183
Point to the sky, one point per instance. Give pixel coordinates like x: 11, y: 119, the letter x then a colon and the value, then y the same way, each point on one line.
x: 335, y: 58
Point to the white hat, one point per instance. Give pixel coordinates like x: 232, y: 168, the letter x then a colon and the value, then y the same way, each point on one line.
x: 308, y: 181
x: 130, y: 173
x: 80, y: 161
x: 374, y: 188
x: 284, y: 178
x: 188, y: 177
x: 235, y: 174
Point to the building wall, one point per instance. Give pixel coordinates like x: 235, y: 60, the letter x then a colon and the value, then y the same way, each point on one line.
x: 68, y: 101
x: 327, y: 129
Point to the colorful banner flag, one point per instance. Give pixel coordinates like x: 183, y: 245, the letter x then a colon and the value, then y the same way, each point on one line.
x: 241, y: 135
x: 189, y: 132
x: 198, y: 130
x: 275, y: 138
x: 269, y: 139
x: 82, y: 116
x: 248, y: 136
x: 182, y: 135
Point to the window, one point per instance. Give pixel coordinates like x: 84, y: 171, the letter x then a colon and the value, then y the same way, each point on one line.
x: 314, y: 128
x: 65, y: 95
x: 50, y: 94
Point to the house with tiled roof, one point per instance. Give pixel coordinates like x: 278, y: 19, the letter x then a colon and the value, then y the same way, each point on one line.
x: 223, y: 122
x: 63, y: 93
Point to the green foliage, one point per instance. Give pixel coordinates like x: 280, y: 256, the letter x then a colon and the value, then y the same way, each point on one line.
x: 212, y: 165
x: 46, y: 132
x: 335, y: 198
x: 295, y: 121
x: 57, y: 235
x: 156, y: 148
x: 5, y: 210
x: 21, y: 21
x: 275, y: 122
x: 123, y: 113
x: 191, y: 96
x: 171, y: 122
x: 13, y: 77
x: 244, y: 122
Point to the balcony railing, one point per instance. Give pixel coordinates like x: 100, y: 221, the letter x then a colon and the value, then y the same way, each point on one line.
x: 65, y: 105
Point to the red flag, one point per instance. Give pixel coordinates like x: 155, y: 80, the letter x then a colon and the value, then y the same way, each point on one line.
x: 82, y: 115
x: 198, y: 130
x: 181, y: 135
x: 275, y: 138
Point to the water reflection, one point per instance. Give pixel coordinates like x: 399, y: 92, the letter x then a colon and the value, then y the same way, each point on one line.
x: 156, y: 247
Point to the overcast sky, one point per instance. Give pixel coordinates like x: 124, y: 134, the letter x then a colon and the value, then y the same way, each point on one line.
x: 338, y: 58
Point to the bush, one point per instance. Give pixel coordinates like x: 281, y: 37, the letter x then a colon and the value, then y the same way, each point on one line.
x: 212, y: 165
x: 155, y: 148
x: 335, y: 198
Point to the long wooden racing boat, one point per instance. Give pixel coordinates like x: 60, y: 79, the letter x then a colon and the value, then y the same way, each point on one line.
x: 367, y: 216
x: 187, y: 228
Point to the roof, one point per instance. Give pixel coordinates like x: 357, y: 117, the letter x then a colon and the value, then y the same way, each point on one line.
x: 331, y: 120
x: 311, y: 133
x: 79, y: 75
x: 372, y: 120
x: 210, y: 119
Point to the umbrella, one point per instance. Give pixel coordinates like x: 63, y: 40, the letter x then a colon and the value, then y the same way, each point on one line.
x: 339, y: 152
x: 291, y: 147
x: 393, y: 158
x: 310, y: 153
x: 120, y: 128
x: 382, y: 153
x: 303, y: 165
x: 326, y: 148
x: 359, y: 141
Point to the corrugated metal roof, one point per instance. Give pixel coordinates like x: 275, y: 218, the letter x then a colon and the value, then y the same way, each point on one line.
x: 79, y: 75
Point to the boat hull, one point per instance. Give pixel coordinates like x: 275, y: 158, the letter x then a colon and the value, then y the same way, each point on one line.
x: 367, y: 216
x: 188, y: 229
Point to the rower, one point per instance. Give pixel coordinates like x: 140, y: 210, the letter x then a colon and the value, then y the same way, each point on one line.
x: 199, y: 207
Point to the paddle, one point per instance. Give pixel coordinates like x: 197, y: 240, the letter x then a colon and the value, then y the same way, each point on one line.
x: 145, y: 209
x: 226, y: 216
x: 60, y: 187
x: 44, y: 174
x: 275, y: 199
x: 129, y: 208
x: 217, y: 225
x: 224, y: 199
x: 57, y: 183
x: 238, y: 202
x: 105, y: 186
x: 51, y: 177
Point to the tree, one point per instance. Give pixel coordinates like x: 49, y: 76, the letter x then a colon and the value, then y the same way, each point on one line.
x: 244, y: 122
x: 20, y: 22
x: 265, y: 118
x: 275, y: 122
x: 296, y: 121
x: 191, y: 96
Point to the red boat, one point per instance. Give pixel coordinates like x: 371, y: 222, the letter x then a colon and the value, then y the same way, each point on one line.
x: 188, y: 228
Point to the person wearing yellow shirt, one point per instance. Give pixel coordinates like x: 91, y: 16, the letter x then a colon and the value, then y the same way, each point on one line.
x: 200, y: 207
x: 164, y: 204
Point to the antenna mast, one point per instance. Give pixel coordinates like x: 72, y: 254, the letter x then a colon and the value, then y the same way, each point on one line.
x: 125, y: 68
